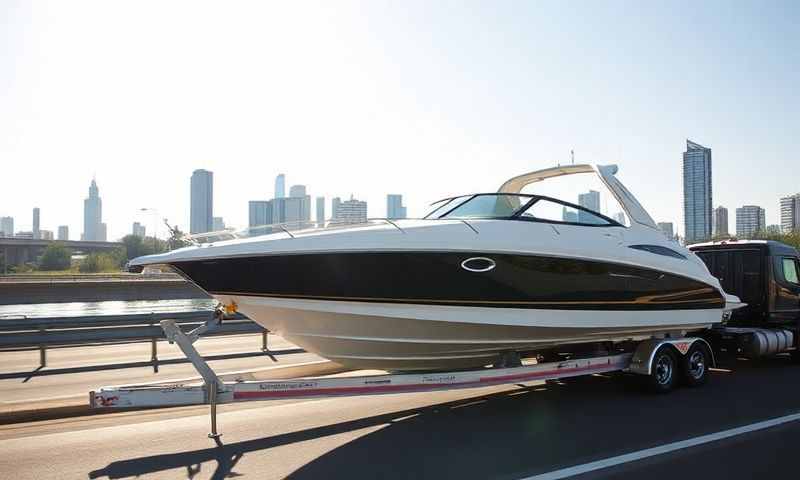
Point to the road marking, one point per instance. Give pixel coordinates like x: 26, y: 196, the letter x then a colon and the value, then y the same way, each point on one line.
x: 661, y: 450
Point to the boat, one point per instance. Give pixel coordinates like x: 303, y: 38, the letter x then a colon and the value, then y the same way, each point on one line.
x: 481, y: 277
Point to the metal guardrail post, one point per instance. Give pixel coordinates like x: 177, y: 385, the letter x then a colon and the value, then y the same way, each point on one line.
x: 42, y: 351
x: 264, y: 346
x: 154, y: 353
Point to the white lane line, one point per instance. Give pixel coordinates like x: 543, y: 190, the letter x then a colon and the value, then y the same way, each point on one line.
x: 662, y: 449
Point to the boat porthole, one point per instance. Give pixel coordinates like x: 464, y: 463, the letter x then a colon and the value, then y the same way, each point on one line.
x: 478, y: 264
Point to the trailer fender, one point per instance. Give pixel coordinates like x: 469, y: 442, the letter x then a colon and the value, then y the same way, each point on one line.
x: 642, y: 360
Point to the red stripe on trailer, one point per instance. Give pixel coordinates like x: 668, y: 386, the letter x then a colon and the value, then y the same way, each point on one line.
x: 416, y: 386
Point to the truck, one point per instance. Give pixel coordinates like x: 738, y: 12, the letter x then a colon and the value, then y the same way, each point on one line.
x: 764, y: 274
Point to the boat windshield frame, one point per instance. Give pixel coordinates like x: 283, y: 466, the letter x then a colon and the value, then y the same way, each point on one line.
x: 517, y: 214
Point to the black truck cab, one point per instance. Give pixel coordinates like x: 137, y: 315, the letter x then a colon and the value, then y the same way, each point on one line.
x: 765, y: 274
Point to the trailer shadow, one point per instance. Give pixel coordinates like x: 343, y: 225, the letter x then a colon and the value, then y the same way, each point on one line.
x: 517, y: 432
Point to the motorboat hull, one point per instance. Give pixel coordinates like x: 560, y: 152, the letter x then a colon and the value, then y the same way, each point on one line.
x: 430, y: 310
x: 407, y: 337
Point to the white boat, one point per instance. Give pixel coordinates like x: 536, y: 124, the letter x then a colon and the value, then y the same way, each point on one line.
x: 481, y: 276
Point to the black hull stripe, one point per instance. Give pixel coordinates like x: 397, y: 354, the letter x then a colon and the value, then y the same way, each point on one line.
x: 438, y: 278
x: 609, y: 306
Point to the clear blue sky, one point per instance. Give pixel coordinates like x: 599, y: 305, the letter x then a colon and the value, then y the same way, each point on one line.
x: 427, y: 99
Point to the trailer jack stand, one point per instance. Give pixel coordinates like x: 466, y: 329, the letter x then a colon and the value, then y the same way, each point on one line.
x: 212, y: 384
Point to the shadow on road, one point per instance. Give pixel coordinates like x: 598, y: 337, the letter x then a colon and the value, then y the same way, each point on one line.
x: 514, y: 433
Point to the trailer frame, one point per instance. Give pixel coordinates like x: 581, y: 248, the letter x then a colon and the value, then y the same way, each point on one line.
x: 213, y: 391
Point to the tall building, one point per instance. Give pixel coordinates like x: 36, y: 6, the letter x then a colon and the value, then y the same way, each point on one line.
x: 720, y: 217
x: 320, y: 211
x: 335, y: 203
x: 93, y: 227
x: 46, y: 234
x: 790, y: 213
x: 202, y: 202
x: 139, y: 230
x: 773, y: 229
x: 63, y: 232
x: 297, y: 191
x: 351, y: 211
x: 36, y: 231
x: 619, y: 217
x: 259, y: 213
x: 7, y: 226
x: 750, y: 219
x: 590, y: 200
x: 668, y: 228
x: 280, y: 186
x: 394, y: 207
x: 697, y: 195
x: 219, y: 224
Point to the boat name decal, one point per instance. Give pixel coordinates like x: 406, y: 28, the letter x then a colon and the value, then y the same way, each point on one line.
x: 287, y: 386
x: 438, y: 378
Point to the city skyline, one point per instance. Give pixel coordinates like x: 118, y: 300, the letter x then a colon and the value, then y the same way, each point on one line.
x: 369, y: 112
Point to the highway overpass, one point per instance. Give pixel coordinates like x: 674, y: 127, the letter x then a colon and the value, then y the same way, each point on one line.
x: 17, y: 251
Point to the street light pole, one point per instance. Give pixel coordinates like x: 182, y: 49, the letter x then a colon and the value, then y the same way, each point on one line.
x: 154, y: 212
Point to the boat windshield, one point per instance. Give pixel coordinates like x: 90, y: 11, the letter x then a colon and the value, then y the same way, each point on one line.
x: 516, y: 206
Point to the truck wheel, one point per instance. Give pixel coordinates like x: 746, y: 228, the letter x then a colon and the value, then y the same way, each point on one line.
x: 695, y: 365
x: 663, y: 372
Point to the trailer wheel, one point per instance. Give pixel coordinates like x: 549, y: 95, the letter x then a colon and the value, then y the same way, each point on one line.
x: 695, y: 365
x: 663, y: 372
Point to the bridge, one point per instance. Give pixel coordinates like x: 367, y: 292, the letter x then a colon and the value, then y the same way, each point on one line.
x: 16, y: 251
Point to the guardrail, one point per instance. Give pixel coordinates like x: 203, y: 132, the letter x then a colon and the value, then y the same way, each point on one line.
x: 89, y: 277
x: 23, y: 333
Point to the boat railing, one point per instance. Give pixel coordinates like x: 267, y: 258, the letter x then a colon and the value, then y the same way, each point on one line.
x: 292, y: 229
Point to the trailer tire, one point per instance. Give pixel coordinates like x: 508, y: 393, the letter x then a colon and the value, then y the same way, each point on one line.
x: 664, y: 370
x: 695, y: 365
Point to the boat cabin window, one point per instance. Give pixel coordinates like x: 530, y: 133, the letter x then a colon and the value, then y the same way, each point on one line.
x: 487, y: 206
x: 553, y: 211
x: 517, y: 207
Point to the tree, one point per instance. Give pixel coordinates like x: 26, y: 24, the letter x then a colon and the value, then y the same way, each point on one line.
x: 55, y: 257
x: 99, y: 262
x: 138, y: 246
x: 789, y: 238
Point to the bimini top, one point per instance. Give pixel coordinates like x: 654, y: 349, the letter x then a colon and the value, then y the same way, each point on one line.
x: 632, y: 207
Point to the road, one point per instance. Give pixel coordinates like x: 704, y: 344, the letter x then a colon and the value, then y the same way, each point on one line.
x: 498, y: 432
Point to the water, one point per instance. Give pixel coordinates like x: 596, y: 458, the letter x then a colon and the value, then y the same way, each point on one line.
x: 81, y: 309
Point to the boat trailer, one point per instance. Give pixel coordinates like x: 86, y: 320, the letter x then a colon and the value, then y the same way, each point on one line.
x: 213, y: 391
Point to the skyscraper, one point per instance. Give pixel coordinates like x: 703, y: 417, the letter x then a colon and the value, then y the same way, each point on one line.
x: 790, y: 213
x: 697, y: 195
x: 590, y: 200
x: 46, y: 234
x: 297, y: 191
x: 36, y: 231
x: 352, y: 211
x: 139, y: 230
x: 320, y: 211
x: 720, y: 216
x: 219, y: 224
x: 7, y: 226
x: 668, y: 228
x: 750, y: 219
x: 93, y: 226
x: 202, y: 202
x: 63, y: 232
x: 568, y: 214
x: 394, y: 207
x: 259, y: 213
x: 280, y: 186
x: 336, y: 202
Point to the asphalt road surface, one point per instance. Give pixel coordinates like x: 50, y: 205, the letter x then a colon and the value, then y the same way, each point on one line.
x: 507, y: 432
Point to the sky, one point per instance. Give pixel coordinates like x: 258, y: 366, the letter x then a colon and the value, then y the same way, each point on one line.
x: 427, y: 99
